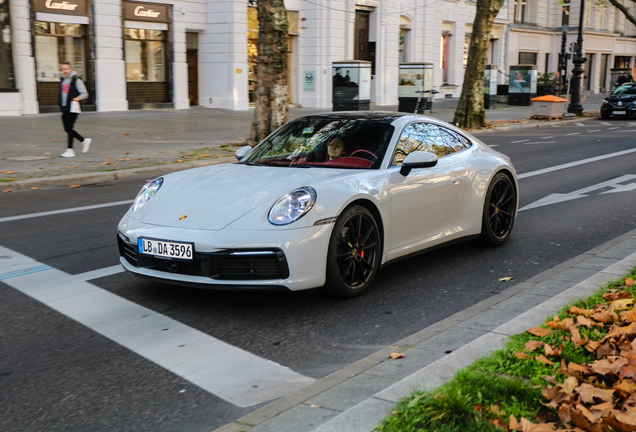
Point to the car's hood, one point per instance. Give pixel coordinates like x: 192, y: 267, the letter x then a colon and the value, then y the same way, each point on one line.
x: 212, y: 198
x: 623, y: 98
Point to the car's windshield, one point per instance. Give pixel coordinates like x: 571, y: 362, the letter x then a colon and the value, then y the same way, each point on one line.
x: 325, y: 142
x: 625, y: 89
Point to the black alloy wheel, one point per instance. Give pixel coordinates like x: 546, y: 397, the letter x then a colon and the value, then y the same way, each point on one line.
x: 500, y: 210
x: 354, y: 253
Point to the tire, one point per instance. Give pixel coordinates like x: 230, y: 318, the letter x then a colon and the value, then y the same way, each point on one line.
x: 499, y: 212
x: 354, y: 254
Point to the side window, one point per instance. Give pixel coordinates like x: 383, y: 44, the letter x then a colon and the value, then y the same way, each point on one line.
x: 453, y: 142
x: 419, y: 137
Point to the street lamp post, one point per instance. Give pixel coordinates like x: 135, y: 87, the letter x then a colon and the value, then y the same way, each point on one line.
x: 575, y: 106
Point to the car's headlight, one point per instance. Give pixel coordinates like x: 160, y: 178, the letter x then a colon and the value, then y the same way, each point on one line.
x: 292, y: 206
x: 147, y: 192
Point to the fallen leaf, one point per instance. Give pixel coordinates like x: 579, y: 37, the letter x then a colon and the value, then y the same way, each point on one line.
x: 621, y: 304
x: 539, y: 331
x: 522, y: 356
x: 589, y: 393
x: 396, y: 355
x: 513, y: 423
x: 504, y: 279
x: 125, y: 134
x: 533, y: 345
x: 621, y: 295
x: 500, y: 423
x: 105, y: 163
x: 542, y: 359
x: 7, y: 190
x: 576, y: 337
x: 160, y: 151
x: 143, y: 157
x: 628, y: 370
x: 621, y: 421
x: 629, y: 282
x: 35, y: 188
x: 75, y: 186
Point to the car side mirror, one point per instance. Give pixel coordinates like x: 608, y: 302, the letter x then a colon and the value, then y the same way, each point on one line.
x: 242, y: 152
x: 418, y: 159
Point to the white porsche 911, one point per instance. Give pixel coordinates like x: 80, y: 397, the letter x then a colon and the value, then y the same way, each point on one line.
x: 323, y: 202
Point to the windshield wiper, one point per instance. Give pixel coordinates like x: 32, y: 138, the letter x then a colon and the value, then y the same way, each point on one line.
x: 254, y: 164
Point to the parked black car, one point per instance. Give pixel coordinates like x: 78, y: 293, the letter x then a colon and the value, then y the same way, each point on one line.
x: 621, y: 102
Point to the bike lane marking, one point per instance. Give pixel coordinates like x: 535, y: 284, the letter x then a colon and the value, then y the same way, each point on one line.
x: 230, y: 373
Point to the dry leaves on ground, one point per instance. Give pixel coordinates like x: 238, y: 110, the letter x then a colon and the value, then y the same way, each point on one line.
x: 599, y: 396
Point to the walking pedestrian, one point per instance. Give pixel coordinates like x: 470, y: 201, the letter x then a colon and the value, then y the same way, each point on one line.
x: 557, y: 84
x: 72, y: 89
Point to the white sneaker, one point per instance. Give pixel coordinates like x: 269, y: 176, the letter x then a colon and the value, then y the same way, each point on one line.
x: 68, y: 153
x: 86, y: 144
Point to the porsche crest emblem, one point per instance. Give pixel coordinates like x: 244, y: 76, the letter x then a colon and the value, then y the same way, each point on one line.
x: 183, y: 217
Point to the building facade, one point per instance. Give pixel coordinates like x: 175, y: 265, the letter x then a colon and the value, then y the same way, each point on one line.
x: 138, y: 54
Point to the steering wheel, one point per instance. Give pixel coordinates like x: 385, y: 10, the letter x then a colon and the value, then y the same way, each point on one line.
x: 366, y: 154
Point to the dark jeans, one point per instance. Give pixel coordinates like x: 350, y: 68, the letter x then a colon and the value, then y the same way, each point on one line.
x: 68, y: 119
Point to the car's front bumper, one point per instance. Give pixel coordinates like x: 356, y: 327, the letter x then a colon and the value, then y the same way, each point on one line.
x: 609, y: 110
x: 293, y: 259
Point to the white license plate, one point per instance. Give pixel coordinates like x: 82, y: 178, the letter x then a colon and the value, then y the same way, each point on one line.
x: 619, y: 112
x: 165, y: 249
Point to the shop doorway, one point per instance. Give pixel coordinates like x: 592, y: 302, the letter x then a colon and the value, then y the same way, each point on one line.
x: 193, y: 68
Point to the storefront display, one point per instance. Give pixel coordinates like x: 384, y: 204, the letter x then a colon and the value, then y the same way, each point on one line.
x: 61, y: 35
x: 148, y: 79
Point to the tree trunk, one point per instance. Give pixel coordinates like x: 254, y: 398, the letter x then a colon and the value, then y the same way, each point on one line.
x: 470, y: 113
x: 272, y: 103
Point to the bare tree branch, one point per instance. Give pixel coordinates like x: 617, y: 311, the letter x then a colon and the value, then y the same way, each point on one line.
x: 624, y: 10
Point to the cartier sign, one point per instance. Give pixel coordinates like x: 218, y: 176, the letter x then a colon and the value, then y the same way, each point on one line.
x: 74, y: 7
x: 146, y: 12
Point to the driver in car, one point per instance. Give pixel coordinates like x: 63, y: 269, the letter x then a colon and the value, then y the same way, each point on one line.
x: 336, y: 147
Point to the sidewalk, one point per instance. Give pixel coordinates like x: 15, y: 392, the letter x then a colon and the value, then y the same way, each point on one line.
x: 153, y: 142
x: 358, y: 397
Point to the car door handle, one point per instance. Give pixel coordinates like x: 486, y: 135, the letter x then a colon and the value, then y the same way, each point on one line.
x: 455, y: 180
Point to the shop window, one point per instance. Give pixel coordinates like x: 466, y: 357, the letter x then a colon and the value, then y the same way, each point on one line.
x: 57, y: 43
x: 145, y: 55
x: 527, y: 58
x: 7, y: 77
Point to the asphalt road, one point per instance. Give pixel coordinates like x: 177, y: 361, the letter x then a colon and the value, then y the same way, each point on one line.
x: 57, y: 374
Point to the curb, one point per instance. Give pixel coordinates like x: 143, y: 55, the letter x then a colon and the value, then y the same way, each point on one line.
x: 545, y: 294
x: 102, y: 177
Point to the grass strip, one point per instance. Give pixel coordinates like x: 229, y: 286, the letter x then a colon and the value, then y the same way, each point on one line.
x: 484, y: 396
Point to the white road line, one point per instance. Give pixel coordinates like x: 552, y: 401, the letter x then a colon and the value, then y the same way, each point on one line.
x: 631, y: 124
x: 627, y: 130
x: 100, y: 273
x: 617, y: 127
x: 573, y: 164
x: 230, y: 373
x: 575, y: 133
x: 516, y: 142
x: 605, y: 123
x: 68, y: 210
x: 546, y: 137
x: 580, y: 124
x: 595, y: 130
x: 540, y: 142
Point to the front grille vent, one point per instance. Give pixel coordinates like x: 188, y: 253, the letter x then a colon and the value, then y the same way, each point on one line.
x: 226, y: 265
x: 127, y: 250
